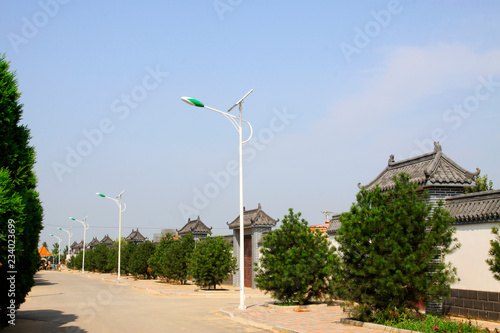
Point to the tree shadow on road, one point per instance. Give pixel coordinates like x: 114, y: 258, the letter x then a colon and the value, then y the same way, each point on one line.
x: 39, y: 281
x: 44, y: 321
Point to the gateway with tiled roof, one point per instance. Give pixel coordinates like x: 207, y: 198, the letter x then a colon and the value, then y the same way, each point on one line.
x: 256, y: 225
x: 195, y: 227
x: 253, y: 218
x: 431, y: 169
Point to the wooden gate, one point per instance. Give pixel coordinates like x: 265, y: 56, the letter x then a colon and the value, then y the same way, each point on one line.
x: 248, y: 261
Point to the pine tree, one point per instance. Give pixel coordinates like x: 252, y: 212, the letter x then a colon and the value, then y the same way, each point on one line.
x: 138, y: 264
x: 297, y: 264
x: 18, y: 158
x: 494, y: 252
x: 177, y: 258
x: 212, y: 261
x: 391, y: 246
x: 159, y: 261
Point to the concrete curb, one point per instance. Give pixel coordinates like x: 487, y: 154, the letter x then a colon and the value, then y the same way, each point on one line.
x: 296, y: 307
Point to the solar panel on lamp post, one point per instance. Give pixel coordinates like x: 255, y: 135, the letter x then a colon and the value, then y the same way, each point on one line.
x: 237, y: 123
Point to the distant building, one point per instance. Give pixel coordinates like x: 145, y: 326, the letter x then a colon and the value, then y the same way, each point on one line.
x: 195, y: 227
x: 93, y: 243
x: 108, y: 241
x: 158, y: 236
x: 135, y: 237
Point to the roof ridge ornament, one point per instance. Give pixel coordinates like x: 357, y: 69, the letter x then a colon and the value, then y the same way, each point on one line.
x: 391, y: 160
x: 437, y: 147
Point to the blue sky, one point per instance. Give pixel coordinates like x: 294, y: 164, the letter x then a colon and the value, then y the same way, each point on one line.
x: 338, y: 87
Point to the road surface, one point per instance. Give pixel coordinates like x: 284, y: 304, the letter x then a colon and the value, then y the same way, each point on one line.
x: 69, y: 303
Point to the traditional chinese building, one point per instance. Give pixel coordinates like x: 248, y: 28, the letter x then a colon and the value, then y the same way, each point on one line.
x: 135, y: 237
x: 108, y: 241
x: 93, y: 243
x: 195, y: 227
x: 256, y: 222
x: 475, y: 214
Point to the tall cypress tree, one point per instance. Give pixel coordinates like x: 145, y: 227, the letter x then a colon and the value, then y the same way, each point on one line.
x: 18, y: 186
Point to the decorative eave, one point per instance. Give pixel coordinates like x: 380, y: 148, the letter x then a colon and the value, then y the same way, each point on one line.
x: 474, y: 207
x: 195, y: 227
x: 431, y: 169
x: 253, y: 218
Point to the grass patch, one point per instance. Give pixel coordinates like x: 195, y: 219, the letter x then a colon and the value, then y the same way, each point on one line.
x: 415, y: 321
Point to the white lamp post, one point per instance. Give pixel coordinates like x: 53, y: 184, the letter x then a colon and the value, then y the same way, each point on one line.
x: 237, y: 123
x: 58, y: 249
x: 68, y: 231
x: 119, y: 202
x: 85, y: 227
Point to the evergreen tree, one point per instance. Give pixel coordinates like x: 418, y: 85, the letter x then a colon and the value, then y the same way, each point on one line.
x: 481, y: 184
x: 392, y: 245
x: 297, y: 264
x: 44, y: 244
x: 494, y: 260
x: 177, y: 258
x: 17, y: 159
x: 100, y: 253
x: 212, y: 262
x: 139, y: 260
x: 159, y: 260
x: 127, y: 252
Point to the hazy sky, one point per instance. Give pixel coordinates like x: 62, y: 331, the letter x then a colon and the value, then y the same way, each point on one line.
x: 338, y: 87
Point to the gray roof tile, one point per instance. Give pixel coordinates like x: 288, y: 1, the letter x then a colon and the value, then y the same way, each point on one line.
x: 428, y: 169
x: 474, y: 207
x: 194, y: 227
x: 253, y: 218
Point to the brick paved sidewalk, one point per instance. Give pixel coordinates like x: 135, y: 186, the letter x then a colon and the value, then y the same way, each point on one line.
x: 302, y: 321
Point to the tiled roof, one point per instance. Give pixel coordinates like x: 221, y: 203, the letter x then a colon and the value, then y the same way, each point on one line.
x: 428, y: 169
x: 334, y: 225
x: 195, y: 227
x: 107, y: 240
x: 474, y: 207
x: 253, y: 218
x: 135, y: 236
x: 94, y: 242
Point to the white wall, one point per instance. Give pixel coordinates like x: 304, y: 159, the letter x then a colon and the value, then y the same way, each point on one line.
x: 470, y: 258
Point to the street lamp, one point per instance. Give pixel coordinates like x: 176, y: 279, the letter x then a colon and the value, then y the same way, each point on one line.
x: 68, y: 231
x: 85, y: 227
x: 118, y: 201
x: 58, y: 248
x: 237, y: 123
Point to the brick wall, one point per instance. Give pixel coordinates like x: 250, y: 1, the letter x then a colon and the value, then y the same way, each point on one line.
x: 483, y: 305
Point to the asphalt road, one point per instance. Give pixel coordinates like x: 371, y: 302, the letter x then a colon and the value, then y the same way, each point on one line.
x: 62, y: 302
